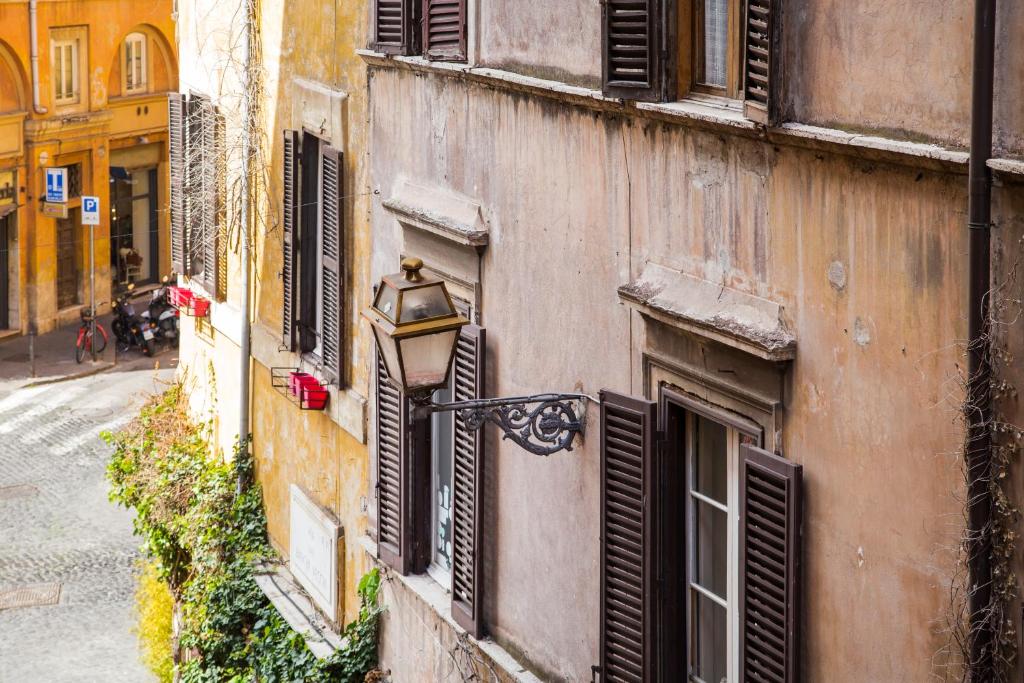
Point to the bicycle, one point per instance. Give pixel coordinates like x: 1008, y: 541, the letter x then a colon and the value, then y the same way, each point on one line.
x: 83, y: 343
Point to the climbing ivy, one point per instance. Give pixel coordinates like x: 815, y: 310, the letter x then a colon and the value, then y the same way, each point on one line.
x: 205, y: 538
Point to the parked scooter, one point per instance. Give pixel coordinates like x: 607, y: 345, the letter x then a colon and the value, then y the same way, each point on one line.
x: 129, y: 328
x: 161, y: 316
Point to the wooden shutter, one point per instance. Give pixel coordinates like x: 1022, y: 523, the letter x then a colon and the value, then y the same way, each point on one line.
x: 176, y: 160
x: 396, y: 24
x: 761, y: 49
x: 444, y: 29
x: 393, y: 503
x: 631, y: 49
x: 220, y: 235
x: 627, y: 538
x: 289, y: 222
x: 332, y: 242
x: 770, y: 548
x: 468, y: 485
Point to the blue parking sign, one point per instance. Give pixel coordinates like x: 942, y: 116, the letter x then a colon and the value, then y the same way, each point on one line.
x: 57, y: 185
x: 90, y: 210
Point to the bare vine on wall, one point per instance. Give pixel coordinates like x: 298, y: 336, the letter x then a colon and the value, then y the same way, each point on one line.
x: 999, y: 537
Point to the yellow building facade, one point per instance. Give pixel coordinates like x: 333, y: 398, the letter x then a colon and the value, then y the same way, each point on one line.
x: 82, y: 88
x: 308, y: 86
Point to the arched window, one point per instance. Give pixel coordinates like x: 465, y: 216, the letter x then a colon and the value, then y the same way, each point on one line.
x: 134, y: 65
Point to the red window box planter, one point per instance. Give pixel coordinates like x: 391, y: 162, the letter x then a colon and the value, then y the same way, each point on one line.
x: 301, y: 388
x: 186, y: 301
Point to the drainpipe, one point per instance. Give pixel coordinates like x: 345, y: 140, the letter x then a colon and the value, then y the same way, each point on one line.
x: 33, y: 42
x: 245, y: 351
x: 978, y: 453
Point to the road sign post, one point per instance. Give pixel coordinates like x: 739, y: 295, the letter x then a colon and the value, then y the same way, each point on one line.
x: 91, y: 217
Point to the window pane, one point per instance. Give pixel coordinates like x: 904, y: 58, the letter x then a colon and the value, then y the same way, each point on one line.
x: 711, y: 548
x: 710, y: 460
x: 443, y: 450
x: 128, y: 73
x: 69, y: 90
x: 426, y: 358
x: 708, y: 647
x: 716, y: 27
x: 423, y: 303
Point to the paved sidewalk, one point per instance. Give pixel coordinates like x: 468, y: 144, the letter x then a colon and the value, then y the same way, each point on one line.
x: 67, y: 555
x: 55, y: 356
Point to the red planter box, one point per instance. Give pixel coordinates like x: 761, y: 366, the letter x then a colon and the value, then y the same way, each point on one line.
x: 311, y: 394
x: 187, y: 302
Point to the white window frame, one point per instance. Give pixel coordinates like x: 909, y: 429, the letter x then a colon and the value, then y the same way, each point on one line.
x: 134, y: 54
x: 731, y: 508
x: 439, y: 573
x: 58, y: 71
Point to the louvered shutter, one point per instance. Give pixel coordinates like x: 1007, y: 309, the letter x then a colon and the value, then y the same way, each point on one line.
x: 631, y: 49
x: 176, y: 161
x: 770, y: 549
x: 220, y: 235
x: 759, y: 62
x: 393, y: 501
x: 444, y: 29
x: 332, y: 243
x: 196, y: 199
x: 289, y: 221
x: 396, y: 25
x: 627, y: 538
x: 468, y: 485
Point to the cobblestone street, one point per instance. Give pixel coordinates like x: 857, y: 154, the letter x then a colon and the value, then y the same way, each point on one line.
x: 60, y: 538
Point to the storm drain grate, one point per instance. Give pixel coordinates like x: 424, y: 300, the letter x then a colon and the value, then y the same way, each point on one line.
x: 17, y: 491
x: 37, y: 595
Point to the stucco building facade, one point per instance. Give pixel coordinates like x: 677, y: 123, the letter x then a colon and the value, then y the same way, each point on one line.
x: 736, y: 247
x: 82, y: 87
x: 306, y: 114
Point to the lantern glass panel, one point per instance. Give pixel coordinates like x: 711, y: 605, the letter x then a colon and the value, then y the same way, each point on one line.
x: 426, y: 359
x: 387, y: 302
x: 389, y: 352
x: 424, y: 303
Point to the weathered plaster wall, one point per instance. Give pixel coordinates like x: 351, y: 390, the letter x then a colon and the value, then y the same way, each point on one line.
x: 313, y: 40
x: 570, y: 32
x: 578, y: 203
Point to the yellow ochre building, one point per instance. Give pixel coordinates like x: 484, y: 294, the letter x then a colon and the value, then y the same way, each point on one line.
x: 82, y: 88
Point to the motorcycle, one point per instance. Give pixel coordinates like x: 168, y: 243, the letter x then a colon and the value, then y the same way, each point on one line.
x: 161, y: 316
x: 130, y: 328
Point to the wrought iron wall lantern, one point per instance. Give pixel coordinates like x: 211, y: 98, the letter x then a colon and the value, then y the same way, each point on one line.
x: 417, y: 330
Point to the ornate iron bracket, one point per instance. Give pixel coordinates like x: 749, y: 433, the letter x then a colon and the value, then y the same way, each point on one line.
x: 548, y: 427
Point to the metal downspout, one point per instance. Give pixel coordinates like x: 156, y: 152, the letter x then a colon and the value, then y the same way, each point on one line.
x: 978, y: 411
x: 33, y: 42
x: 245, y: 350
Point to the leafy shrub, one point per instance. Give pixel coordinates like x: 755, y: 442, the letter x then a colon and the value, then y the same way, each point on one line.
x: 204, y: 538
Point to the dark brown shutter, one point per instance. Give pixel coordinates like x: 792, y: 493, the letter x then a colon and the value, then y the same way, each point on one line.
x: 393, y: 501
x: 176, y: 161
x: 444, y: 29
x: 627, y: 538
x: 289, y: 221
x: 220, y: 236
x: 770, y: 548
x: 396, y: 25
x: 631, y: 49
x: 760, y: 57
x: 332, y: 244
x: 468, y: 480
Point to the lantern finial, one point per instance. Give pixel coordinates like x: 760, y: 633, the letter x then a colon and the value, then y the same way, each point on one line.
x: 411, y: 267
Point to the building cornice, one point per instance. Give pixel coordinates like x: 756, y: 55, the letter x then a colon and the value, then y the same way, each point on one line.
x: 702, y: 115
